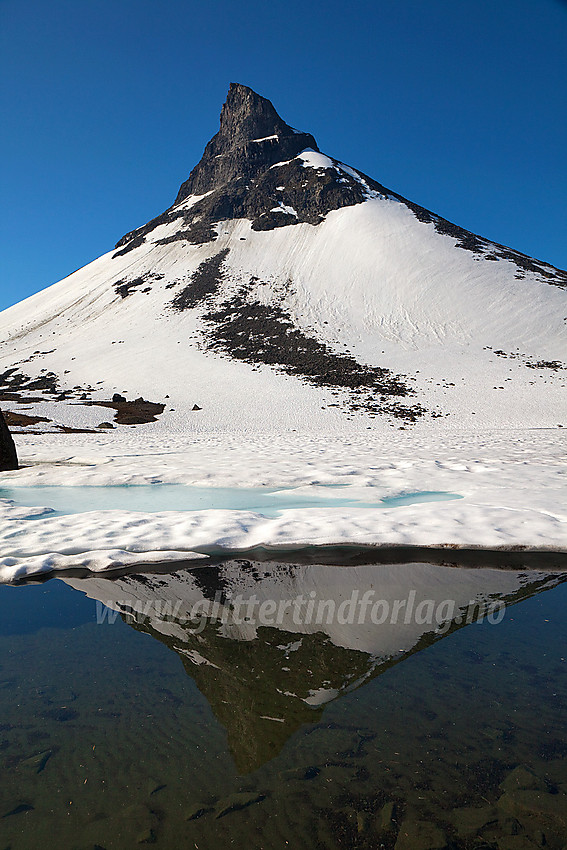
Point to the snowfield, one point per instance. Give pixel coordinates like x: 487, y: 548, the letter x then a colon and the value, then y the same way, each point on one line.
x: 512, y: 483
x: 371, y: 280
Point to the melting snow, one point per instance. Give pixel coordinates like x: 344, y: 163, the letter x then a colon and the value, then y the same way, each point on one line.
x: 285, y: 209
x: 512, y: 482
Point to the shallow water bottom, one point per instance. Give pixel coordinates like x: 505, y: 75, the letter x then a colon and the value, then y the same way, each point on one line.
x: 124, y: 721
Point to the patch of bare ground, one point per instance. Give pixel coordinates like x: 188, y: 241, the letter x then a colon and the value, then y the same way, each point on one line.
x: 22, y: 419
x: 137, y: 412
x: 265, y: 334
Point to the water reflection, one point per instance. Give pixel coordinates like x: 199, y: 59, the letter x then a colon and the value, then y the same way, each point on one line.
x: 361, y: 707
x: 271, y: 644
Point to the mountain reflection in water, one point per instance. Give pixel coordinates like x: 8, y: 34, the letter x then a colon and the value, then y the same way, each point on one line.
x: 284, y: 715
x: 270, y: 644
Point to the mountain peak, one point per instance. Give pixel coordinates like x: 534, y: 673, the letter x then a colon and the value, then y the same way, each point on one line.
x: 247, y: 116
x: 258, y: 168
x: 251, y: 138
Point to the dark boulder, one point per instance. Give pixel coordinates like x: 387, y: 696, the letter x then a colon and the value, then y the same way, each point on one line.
x: 8, y: 456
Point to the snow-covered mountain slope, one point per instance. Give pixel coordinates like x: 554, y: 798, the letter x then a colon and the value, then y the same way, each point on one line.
x: 284, y: 290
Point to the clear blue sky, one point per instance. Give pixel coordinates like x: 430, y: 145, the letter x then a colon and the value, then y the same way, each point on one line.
x: 107, y: 105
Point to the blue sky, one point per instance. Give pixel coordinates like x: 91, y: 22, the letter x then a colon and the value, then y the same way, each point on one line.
x: 107, y: 105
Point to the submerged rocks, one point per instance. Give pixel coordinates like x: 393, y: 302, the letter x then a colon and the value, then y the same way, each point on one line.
x: 198, y: 810
x: 386, y: 817
x: 523, y: 779
x: 38, y: 762
x: 470, y: 820
x: 535, y: 806
x: 420, y: 835
x: 21, y: 809
x: 8, y: 455
x: 235, y: 802
x: 238, y: 801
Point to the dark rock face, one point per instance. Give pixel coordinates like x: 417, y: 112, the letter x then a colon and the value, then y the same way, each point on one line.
x: 8, y: 456
x: 249, y: 170
x: 252, y: 137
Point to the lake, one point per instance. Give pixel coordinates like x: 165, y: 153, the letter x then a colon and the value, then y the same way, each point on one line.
x: 272, y: 705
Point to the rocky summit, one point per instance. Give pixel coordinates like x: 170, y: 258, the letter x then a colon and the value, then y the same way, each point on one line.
x: 284, y: 290
x: 241, y: 172
x: 252, y: 137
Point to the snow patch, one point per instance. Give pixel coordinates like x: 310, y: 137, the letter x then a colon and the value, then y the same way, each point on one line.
x: 284, y: 209
x: 314, y: 159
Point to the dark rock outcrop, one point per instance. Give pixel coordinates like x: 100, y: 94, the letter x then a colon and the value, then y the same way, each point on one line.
x: 8, y: 456
x: 251, y: 138
x: 137, y: 412
x: 250, y: 170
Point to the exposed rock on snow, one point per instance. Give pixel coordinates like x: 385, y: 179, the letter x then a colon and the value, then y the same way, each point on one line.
x: 260, y: 333
x: 136, y: 412
x: 204, y: 283
x: 15, y: 386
